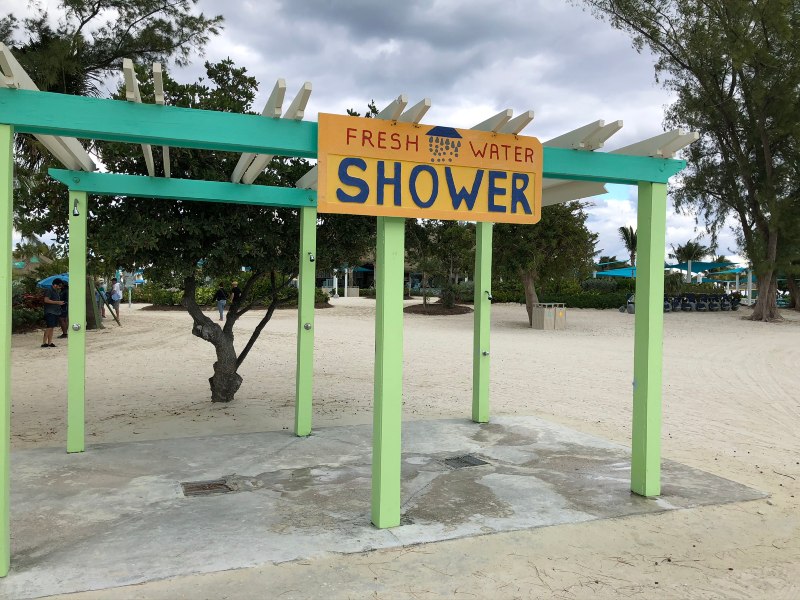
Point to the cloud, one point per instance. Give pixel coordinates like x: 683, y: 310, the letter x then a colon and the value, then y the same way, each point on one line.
x: 471, y: 58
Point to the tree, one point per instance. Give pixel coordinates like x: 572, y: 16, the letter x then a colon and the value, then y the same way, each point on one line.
x: 734, y: 66
x: 77, y: 55
x: 190, y: 242
x: 558, y: 247
x: 421, y: 251
x: 628, y: 237
x: 692, y: 250
x: 442, y: 249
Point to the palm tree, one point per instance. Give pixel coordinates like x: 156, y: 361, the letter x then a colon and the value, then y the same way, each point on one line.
x: 628, y: 237
x: 691, y: 250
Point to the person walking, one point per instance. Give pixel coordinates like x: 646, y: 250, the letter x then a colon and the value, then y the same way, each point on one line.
x: 222, y: 299
x: 236, y: 292
x: 116, y: 295
x: 52, y: 311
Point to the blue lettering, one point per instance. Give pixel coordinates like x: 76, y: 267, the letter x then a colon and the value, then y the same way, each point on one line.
x: 494, y: 190
x: 384, y: 181
x: 463, y: 196
x: 518, y: 193
x: 412, y: 185
x: 347, y: 179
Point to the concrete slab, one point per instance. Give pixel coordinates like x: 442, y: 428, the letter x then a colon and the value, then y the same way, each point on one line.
x: 116, y: 515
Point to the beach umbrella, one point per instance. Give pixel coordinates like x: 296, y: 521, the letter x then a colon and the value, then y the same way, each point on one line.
x: 48, y: 281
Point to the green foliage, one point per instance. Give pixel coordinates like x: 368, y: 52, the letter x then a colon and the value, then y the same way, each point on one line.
x: 628, y: 237
x: 691, y: 250
x: 25, y: 319
x: 75, y: 50
x: 588, y: 300
x: 734, y: 68
x: 600, y: 285
x: 559, y: 247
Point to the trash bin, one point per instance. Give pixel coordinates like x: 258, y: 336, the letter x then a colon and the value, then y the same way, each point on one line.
x: 549, y: 315
x: 543, y: 316
x: 560, y: 316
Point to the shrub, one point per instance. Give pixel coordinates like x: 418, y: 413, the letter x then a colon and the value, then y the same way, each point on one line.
x: 24, y: 319
x: 601, y: 285
x: 589, y: 299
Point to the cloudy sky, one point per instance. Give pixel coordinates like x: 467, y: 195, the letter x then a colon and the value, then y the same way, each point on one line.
x: 472, y: 58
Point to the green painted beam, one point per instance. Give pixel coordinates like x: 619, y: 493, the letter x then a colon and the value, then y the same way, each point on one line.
x: 579, y: 165
x: 120, y: 121
x: 481, y: 327
x: 306, y: 282
x: 76, y: 342
x: 117, y: 120
x: 110, y: 184
x: 648, y: 340
x: 6, y: 219
x: 388, y: 409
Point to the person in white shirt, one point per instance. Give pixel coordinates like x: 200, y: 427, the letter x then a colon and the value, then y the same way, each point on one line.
x: 116, y: 295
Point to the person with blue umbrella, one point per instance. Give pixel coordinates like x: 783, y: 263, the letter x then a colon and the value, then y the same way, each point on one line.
x: 52, y: 311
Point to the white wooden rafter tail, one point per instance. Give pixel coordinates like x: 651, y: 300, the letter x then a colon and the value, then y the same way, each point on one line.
x: 518, y: 123
x: 158, y: 87
x: 394, y: 109
x: 296, y: 111
x: 598, y: 139
x: 68, y: 151
x: 664, y: 145
x: 495, y: 123
x: 273, y: 109
x: 416, y: 112
x: 576, y: 139
x: 132, y: 95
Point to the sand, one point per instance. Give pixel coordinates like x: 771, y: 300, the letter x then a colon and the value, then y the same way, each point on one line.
x: 731, y: 407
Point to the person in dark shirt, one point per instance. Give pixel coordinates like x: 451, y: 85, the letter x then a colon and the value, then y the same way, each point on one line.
x: 236, y: 292
x: 52, y: 311
x: 221, y: 298
x: 62, y: 318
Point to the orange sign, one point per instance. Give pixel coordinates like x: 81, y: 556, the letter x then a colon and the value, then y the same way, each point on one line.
x: 392, y: 169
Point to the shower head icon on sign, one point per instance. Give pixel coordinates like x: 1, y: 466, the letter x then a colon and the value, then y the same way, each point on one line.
x: 443, y: 144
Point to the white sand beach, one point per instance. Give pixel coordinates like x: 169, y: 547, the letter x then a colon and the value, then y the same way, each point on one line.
x: 731, y: 407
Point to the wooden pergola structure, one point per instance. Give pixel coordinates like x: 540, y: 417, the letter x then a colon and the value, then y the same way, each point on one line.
x: 572, y: 169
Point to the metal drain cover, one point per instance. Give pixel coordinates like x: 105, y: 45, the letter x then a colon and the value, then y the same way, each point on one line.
x: 205, y: 488
x: 459, y: 462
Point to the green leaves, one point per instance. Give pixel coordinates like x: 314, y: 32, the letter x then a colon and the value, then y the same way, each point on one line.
x: 734, y: 66
x: 559, y: 247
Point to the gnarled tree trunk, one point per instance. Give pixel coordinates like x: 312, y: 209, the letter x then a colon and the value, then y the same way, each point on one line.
x: 531, y: 298
x: 225, y: 381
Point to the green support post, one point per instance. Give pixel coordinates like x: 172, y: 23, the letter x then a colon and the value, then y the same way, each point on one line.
x: 648, y: 340
x: 388, y: 410
x: 76, y: 345
x: 481, y: 328
x: 306, y: 283
x: 7, y: 204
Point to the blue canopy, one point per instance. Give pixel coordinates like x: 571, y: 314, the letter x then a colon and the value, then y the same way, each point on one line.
x: 626, y: 272
x: 698, y: 266
x: 47, y: 282
x: 731, y: 271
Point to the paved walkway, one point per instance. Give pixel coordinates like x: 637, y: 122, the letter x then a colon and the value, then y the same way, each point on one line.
x: 118, y: 514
